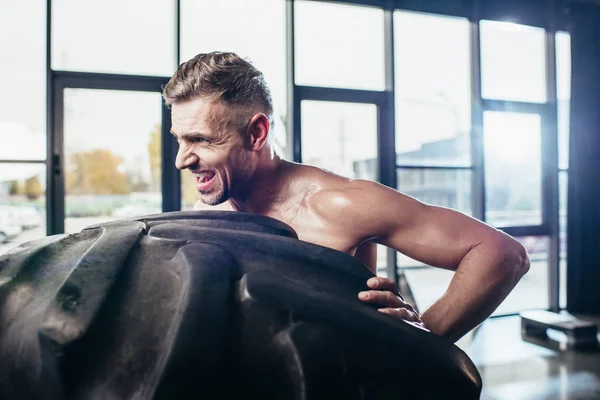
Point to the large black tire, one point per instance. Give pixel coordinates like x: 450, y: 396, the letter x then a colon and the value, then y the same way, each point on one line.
x: 212, y: 305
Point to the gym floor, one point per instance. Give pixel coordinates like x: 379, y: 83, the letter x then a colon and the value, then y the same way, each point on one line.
x: 513, y: 369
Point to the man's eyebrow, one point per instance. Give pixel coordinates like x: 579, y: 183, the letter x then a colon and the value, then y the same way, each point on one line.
x: 193, y: 134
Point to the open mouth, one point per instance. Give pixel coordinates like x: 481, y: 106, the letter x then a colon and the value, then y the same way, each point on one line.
x: 204, y: 179
x: 205, y: 176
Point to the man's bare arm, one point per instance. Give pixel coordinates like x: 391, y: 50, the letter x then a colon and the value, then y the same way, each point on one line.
x: 367, y: 253
x: 488, y: 263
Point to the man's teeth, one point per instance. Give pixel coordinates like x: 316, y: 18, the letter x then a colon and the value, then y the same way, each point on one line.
x: 204, y: 176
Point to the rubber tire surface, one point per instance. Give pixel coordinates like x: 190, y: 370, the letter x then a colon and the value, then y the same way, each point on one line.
x: 207, y: 305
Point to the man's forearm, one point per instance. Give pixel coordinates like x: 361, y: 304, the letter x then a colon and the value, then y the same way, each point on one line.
x: 484, y: 278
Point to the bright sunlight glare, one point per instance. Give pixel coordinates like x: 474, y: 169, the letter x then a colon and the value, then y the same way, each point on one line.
x: 512, y: 138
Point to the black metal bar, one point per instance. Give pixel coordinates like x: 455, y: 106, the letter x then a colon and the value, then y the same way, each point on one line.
x: 177, y: 32
x: 550, y: 162
x: 514, y: 314
x: 513, y: 106
x: 367, y: 3
x: 440, y: 167
x: 414, y: 267
x: 85, y: 80
x: 386, y: 129
x: 24, y: 161
x: 56, y: 161
x: 50, y: 195
x: 294, y: 151
x: 170, y: 175
x: 521, y: 231
x: 297, y: 126
x: 531, y: 12
x: 341, y: 95
x: 477, y: 150
x: 388, y: 50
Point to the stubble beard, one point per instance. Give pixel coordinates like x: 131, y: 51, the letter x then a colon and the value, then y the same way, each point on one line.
x: 240, y: 176
x: 217, y: 195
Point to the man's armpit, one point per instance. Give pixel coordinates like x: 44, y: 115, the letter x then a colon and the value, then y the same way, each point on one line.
x: 367, y: 253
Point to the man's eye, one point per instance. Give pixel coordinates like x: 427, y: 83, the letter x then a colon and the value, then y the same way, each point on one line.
x: 198, y: 140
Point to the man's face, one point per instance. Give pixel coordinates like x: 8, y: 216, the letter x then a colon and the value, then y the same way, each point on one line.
x: 211, y: 148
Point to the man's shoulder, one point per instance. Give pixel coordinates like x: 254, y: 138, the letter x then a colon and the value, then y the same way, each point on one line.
x: 340, y: 199
x: 349, y: 190
x: 327, y: 181
x: 360, y: 199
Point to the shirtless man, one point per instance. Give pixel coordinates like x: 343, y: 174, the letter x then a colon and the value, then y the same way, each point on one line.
x: 222, y: 117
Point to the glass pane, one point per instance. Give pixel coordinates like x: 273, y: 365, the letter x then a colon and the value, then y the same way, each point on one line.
x: 403, y: 261
x: 563, y: 178
x: 433, y: 89
x: 513, y: 62
x: 189, y: 193
x: 23, y: 80
x: 562, y: 294
x: 513, y: 168
x: 339, y: 45
x: 20, y: 141
x: 114, y: 36
x: 428, y: 284
x: 340, y: 137
x: 113, y: 165
x: 22, y: 204
x: 446, y: 188
x: 563, y: 86
x: 203, y: 31
x: 382, y: 261
x: 532, y: 290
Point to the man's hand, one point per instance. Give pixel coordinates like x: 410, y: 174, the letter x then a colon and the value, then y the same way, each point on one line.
x: 386, y: 294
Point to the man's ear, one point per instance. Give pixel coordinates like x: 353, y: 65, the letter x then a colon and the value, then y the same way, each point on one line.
x: 258, y: 131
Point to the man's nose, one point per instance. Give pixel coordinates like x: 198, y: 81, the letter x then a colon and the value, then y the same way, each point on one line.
x: 185, y: 157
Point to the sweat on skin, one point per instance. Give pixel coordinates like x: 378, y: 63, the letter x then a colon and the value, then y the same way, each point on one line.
x: 228, y: 150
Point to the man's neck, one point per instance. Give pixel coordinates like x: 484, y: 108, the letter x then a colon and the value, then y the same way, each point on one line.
x: 266, y: 189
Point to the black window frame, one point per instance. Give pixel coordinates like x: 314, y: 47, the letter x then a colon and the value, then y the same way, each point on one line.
x: 474, y: 11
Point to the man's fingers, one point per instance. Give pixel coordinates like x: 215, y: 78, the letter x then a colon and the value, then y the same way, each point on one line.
x: 404, y: 314
x: 380, y: 283
x: 384, y: 298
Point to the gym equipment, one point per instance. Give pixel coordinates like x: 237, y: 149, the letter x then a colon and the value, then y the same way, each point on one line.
x: 209, y: 305
x: 580, y: 334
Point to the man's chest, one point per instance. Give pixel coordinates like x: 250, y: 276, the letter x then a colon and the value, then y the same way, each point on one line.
x: 313, y: 230
x: 310, y: 228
